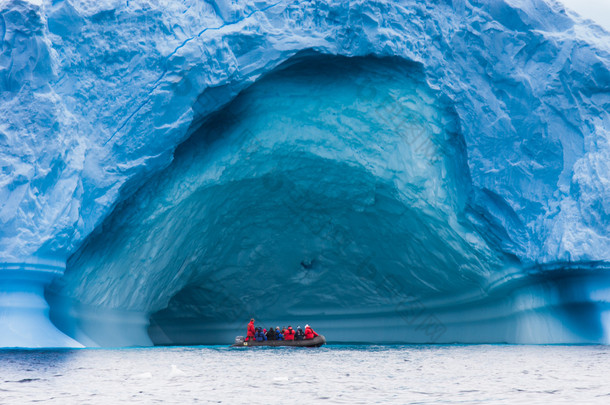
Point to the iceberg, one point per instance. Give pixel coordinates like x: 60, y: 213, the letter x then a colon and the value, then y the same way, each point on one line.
x: 433, y: 172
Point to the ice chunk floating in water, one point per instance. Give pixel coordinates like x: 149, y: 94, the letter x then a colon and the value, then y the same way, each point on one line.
x: 431, y: 173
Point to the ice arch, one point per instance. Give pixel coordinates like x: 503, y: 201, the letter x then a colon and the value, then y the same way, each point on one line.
x: 528, y: 82
x: 282, y: 205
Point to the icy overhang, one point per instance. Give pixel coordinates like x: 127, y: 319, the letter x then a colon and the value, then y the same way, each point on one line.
x: 325, y: 165
x: 96, y: 97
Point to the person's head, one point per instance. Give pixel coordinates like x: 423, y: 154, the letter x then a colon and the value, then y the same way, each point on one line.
x: 277, y: 328
x: 252, y: 320
x: 307, y: 326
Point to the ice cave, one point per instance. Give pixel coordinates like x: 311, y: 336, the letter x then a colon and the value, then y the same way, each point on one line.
x: 435, y: 172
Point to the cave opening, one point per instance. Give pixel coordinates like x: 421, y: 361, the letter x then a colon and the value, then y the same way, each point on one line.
x: 330, y: 191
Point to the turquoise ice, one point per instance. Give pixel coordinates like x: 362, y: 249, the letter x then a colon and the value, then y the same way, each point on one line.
x: 439, y: 172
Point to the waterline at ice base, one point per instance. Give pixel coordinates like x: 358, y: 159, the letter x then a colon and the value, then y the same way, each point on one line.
x: 388, y: 172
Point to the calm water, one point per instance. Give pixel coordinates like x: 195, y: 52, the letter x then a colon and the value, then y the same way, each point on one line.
x: 332, y: 374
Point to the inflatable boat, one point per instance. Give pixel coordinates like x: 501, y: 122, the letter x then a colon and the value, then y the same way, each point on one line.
x: 315, y: 342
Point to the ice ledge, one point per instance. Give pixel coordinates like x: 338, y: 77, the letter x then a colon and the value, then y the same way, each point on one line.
x: 24, y: 312
x: 53, y: 268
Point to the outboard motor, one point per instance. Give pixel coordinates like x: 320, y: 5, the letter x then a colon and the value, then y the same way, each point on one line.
x: 239, y: 340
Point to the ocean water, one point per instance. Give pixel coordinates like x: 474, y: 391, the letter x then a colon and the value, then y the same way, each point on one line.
x: 332, y: 374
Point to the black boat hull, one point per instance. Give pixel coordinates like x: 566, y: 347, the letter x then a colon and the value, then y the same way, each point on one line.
x: 315, y: 342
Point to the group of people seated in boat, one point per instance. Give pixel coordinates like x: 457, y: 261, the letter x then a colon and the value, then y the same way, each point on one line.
x: 260, y: 335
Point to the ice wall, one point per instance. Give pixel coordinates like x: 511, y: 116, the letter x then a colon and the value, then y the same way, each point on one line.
x: 96, y: 97
x: 282, y: 193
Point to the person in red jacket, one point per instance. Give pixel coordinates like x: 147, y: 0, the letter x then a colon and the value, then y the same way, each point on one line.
x: 250, y: 334
x: 309, y: 333
x: 289, y: 335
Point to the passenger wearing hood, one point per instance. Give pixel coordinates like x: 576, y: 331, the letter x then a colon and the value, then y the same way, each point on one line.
x: 289, y: 334
x: 271, y: 334
x: 260, y: 336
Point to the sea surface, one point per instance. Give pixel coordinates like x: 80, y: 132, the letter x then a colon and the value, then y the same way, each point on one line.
x: 495, y: 374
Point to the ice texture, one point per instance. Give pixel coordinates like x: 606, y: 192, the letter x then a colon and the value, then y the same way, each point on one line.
x: 200, y: 161
x: 24, y: 312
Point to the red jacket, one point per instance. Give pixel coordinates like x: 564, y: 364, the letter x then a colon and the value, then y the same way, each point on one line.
x: 289, y: 335
x: 309, y: 333
x: 250, y: 330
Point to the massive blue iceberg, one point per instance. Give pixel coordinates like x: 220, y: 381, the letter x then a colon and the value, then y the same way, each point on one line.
x: 435, y: 172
